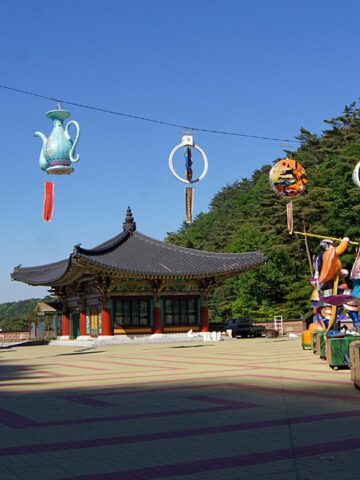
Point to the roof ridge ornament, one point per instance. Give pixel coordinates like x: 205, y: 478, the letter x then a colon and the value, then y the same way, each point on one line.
x: 129, y: 225
x: 75, y: 251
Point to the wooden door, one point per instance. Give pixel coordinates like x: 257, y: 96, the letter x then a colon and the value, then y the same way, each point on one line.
x: 75, y: 325
x: 94, y: 321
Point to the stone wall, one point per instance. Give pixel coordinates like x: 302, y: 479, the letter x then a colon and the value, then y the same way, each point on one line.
x: 292, y: 326
x: 8, y: 337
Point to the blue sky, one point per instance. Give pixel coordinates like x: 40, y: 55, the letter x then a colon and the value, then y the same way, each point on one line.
x: 258, y: 67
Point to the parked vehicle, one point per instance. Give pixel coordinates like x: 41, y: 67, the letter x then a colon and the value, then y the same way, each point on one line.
x: 244, y: 327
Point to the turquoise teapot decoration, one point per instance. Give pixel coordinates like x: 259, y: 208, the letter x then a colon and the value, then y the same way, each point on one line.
x: 58, y: 150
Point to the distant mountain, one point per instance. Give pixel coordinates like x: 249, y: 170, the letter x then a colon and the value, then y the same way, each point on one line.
x: 15, y: 316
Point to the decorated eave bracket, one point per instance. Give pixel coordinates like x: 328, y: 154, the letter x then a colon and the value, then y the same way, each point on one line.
x: 57, y: 154
x: 187, y: 143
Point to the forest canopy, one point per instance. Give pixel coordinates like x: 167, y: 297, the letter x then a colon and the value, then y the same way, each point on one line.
x: 16, y: 316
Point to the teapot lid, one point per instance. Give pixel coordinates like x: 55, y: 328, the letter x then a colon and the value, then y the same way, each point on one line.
x: 58, y: 114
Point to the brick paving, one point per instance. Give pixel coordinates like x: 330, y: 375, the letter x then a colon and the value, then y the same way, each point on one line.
x: 238, y: 409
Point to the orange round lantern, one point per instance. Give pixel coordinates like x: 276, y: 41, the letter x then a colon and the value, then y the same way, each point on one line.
x: 288, y: 177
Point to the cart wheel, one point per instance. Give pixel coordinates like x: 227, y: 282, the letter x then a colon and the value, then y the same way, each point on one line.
x: 334, y: 367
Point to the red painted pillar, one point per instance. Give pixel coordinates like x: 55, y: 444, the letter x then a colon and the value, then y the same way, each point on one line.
x: 204, y: 316
x: 82, y: 322
x: 65, y: 324
x: 157, y: 326
x: 106, y: 321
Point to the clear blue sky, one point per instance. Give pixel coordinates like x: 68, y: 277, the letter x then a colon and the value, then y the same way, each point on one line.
x: 259, y: 67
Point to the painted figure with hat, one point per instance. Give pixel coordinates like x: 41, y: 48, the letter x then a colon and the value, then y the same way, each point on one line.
x: 333, y: 306
x: 353, y: 307
x: 328, y: 264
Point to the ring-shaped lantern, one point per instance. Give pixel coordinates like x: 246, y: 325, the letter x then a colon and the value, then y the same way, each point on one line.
x: 356, y: 175
x: 188, y: 141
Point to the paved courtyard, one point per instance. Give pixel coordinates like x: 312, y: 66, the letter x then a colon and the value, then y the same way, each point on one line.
x: 237, y: 409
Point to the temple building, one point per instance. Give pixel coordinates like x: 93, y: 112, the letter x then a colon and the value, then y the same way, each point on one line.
x: 134, y: 284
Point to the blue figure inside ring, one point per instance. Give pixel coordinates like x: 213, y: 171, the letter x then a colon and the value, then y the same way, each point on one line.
x: 188, y: 163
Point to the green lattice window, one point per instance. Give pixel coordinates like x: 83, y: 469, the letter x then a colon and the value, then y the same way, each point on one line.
x: 180, y: 311
x: 129, y: 312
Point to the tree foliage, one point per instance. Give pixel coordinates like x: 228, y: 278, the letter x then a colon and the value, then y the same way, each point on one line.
x: 247, y: 215
x: 15, y: 316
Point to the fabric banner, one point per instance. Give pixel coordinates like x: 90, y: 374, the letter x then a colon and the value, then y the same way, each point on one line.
x: 337, y: 299
x: 355, y: 271
x: 189, y: 204
x: 48, y: 201
x: 290, y: 219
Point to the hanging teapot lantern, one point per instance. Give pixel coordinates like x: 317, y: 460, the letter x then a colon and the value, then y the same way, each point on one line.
x: 58, y: 150
x: 57, y: 154
x: 188, y: 144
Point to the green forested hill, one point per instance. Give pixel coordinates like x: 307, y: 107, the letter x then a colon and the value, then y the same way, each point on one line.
x: 16, y: 315
x: 248, y: 215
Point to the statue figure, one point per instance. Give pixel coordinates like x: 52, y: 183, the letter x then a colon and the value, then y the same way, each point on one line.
x: 328, y: 264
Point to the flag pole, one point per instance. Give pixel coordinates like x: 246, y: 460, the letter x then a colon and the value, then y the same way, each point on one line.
x: 305, y: 234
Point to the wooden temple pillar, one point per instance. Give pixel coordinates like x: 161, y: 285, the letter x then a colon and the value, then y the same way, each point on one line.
x: 65, y: 315
x: 157, y: 325
x: 103, y: 286
x: 65, y: 324
x: 82, y: 319
x: 204, y: 326
x: 106, y: 318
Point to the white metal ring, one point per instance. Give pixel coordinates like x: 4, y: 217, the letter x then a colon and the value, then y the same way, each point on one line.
x: 184, y: 180
x: 356, y: 175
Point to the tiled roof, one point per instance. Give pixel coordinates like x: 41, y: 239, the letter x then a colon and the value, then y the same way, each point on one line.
x: 139, y: 254
x: 134, y: 254
x: 41, y: 275
x: 43, y: 307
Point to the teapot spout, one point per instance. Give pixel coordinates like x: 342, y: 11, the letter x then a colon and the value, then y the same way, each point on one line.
x: 42, y: 136
x: 42, y: 160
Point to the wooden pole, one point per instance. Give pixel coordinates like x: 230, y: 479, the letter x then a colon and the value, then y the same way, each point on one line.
x: 334, y: 307
x: 323, y: 236
x: 308, y: 252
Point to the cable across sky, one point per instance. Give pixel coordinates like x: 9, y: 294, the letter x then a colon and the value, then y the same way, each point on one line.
x: 147, y: 119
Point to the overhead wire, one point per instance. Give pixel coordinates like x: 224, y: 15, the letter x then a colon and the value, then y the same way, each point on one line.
x: 147, y: 119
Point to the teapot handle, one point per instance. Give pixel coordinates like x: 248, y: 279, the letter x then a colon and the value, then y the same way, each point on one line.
x: 72, y: 150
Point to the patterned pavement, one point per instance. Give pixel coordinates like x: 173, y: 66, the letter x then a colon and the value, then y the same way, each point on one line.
x: 238, y: 409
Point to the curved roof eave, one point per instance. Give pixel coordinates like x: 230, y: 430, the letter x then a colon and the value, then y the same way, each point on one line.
x: 43, y: 275
x: 133, y: 254
x: 225, y: 273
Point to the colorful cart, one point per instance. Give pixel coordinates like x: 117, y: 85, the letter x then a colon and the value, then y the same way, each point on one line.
x: 321, y: 345
x: 306, y: 339
x: 337, y: 351
x: 315, y: 337
x: 355, y: 363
